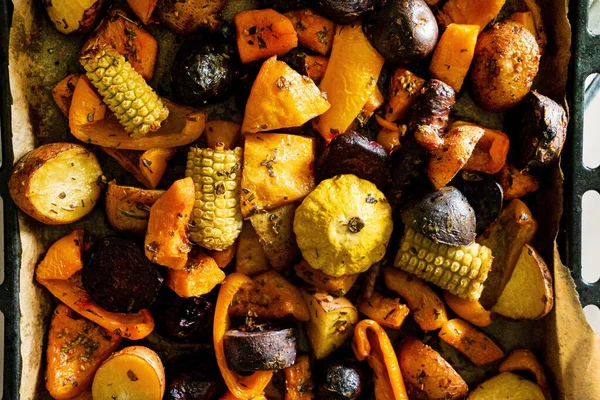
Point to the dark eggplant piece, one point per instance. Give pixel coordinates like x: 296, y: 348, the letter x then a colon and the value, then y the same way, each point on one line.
x: 260, y: 350
x: 402, y: 31
x: 352, y: 153
x: 429, y: 114
x: 345, y: 11
x: 119, y: 277
x: 183, y: 319
x: 204, y: 71
x: 408, y: 165
x: 197, y: 380
x: 539, y: 126
x: 341, y: 382
x: 484, y: 194
x: 444, y: 216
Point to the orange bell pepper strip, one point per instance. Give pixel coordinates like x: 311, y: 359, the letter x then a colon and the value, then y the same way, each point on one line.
x: 370, y: 342
x: 229, y: 396
x: 525, y: 360
x: 242, y: 387
x: 63, y: 258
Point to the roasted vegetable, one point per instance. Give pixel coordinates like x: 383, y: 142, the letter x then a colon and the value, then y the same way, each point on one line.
x: 507, y: 386
x: 183, y: 319
x: 469, y: 12
x: 195, y: 381
x: 408, y: 166
x: 331, y: 322
x: 127, y: 208
x: 475, y: 345
x: 217, y: 220
x: 73, y: 16
x: 63, y: 93
x: 528, y: 293
x: 352, y: 153
x: 270, y: 296
x: 278, y: 170
x: 429, y: 113
x: 350, y: 79
x: 275, y: 230
x: 540, y: 130
x: 299, y: 384
x: 343, y: 226
x: 260, y: 350
x: 484, y: 194
x: 314, y: 31
x: 514, y: 228
x: 135, y: 372
x: 538, y: 28
x: 224, y: 257
x: 76, y: 348
x: 313, y: 66
x: 153, y: 164
x: 387, y: 312
x: 281, y: 98
x: 373, y: 103
x: 143, y: 9
x: 186, y: 16
x: 166, y: 241
x: 263, y: 33
x: 200, y: 276
x: 341, y: 382
x: 56, y: 183
x: 226, y: 132
x: 404, y: 89
x: 506, y: 61
x: 250, y: 258
x: 137, y: 107
x: 444, y: 216
x: 469, y: 310
x: 403, y: 32
x: 525, y: 360
x: 426, y: 374
x: 345, y: 11
x: 516, y: 183
x: 389, y: 139
x: 490, y: 153
x: 453, y: 55
x: 449, y: 158
x: 428, y: 309
x: 119, y: 277
x: 63, y: 258
x: 204, y: 71
x: 335, y: 286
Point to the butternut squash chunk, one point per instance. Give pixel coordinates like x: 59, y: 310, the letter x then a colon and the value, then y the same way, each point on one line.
x: 516, y: 183
x: 475, y: 345
x: 335, y: 286
x: 63, y: 93
x: 224, y: 257
x: 63, y: 258
x: 403, y: 90
x: 250, y: 258
x: 315, y: 66
x: 470, y: 12
x: 350, y: 79
x: 298, y: 380
x: 314, y: 31
x: 153, y: 164
x: 143, y: 9
x: 387, y: 312
x: 166, y: 241
x: 281, y: 98
x: 263, y: 33
x: 453, y: 55
x: 128, y: 208
x: 226, y: 132
x: 76, y: 348
x: 200, y: 276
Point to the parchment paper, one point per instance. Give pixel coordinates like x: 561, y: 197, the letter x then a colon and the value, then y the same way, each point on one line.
x: 40, y: 57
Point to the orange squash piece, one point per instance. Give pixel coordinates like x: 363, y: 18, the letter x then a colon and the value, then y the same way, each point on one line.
x: 475, y: 345
x: 128, y: 38
x: 90, y: 122
x: 516, y: 183
x: 490, y: 153
x: 63, y: 93
x: 469, y: 310
x: 281, y: 98
x: 314, y: 31
x: 278, y: 170
x: 375, y: 101
x: 315, y: 66
x: 453, y: 55
x: 224, y: 257
x: 387, y: 312
x: 470, y: 12
x: 166, y: 241
x: 200, y: 276
x: 298, y: 380
x: 404, y: 87
x: 63, y: 258
x: 270, y: 296
x: 153, y: 164
x: 76, y: 348
x: 335, y: 286
x: 350, y: 79
x: 143, y: 9
x: 226, y: 132
x: 250, y: 257
x: 263, y: 33
x: 525, y: 360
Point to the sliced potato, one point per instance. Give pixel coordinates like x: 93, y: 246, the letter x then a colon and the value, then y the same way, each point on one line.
x: 332, y: 321
x: 275, y: 230
x: 128, y: 208
x: 507, y: 386
x: 57, y: 183
x: 73, y: 16
x: 250, y: 258
x: 528, y: 294
x: 186, y: 16
x: 135, y: 372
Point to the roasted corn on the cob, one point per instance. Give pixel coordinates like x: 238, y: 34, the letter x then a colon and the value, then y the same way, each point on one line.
x: 461, y: 270
x: 139, y: 109
x: 217, y: 218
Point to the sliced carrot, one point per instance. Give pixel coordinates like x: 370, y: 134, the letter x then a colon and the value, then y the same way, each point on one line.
x: 470, y: 310
x: 525, y: 360
x: 63, y: 258
x: 475, y: 345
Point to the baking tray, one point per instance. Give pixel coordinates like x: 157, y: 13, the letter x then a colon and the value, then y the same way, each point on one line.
x: 579, y: 179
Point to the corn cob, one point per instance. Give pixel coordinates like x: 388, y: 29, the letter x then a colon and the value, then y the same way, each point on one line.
x: 136, y: 105
x: 217, y: 218
x: 461, y: 270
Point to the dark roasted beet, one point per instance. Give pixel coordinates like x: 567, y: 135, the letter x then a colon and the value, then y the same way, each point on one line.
x: 345, y: 11
x: 341, y: 382
x: 197, y: 380
x: 408, y: 166
x: 119, y: 277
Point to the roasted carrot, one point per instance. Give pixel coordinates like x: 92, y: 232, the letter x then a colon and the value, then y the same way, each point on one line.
x: 525, y: 360
x: 469, y: 310
x: 200, y: 276
x: 475, y: 345
x: 63, y: 258
x: 226, y: 132
x: 387, y: 312
x: 314, y: 31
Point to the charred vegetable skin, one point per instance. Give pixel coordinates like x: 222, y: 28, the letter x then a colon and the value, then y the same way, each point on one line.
x: 352, y: 153
x: 260, y: 350
x: 204, y: 71
x: 408, y: 166
x: 119, y: 277
x: 540, y: 130
x: 403, y: 31
x: 341, y: 382
x: 345, y: 11
x: 195, y: 381
x: 429, y: 113
x: 484, y: 194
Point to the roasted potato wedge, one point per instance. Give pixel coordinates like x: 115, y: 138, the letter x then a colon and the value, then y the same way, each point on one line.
x: 507, y: 386
x: 56, y: 183
x: 128, y: 208
x: 73, y: 16
x: 186, y: 16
